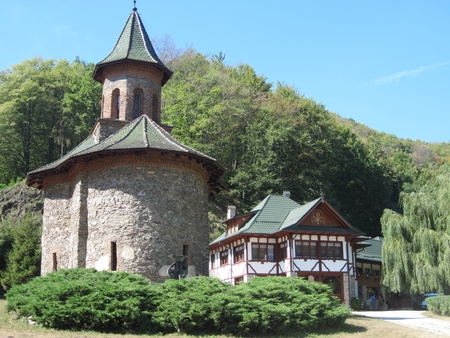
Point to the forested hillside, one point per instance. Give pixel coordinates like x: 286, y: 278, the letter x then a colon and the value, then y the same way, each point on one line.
x: 269, y: 137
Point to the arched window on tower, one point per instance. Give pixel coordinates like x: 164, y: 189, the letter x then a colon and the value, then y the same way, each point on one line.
x: 137, y: 102
x: 155, y: 108
x: 136, y: 106
x: 115, y: 104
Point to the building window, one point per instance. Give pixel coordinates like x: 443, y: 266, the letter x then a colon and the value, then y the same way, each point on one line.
x: 331, y: 250
x: 136, y: 106
x: 263, y: 252
x: 113, y: 256
x: 213, y: 260
x: 238, y: 280
x: 224, y: 257
x: 155, y: 109
x: 283, y: 251
x: 137, y: 102
x: 305, y: 249
x: 118, y: 106
x: 55, y: 261
x: 238, y: 253
x: 186, y: 252
x: 115, y: 104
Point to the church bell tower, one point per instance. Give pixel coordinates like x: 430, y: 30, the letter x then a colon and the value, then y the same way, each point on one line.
x: 132, y: 75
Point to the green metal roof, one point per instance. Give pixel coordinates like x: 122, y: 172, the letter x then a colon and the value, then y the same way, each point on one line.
x: 139, y: 135
x: 134, y: 45
x: 372, y: 252
x: 280, y: 213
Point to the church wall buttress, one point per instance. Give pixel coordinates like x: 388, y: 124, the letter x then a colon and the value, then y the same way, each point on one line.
x: 56, y: 228
x: 78, y: 213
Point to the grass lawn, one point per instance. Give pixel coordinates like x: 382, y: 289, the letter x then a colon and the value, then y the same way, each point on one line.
x: 355, y: 326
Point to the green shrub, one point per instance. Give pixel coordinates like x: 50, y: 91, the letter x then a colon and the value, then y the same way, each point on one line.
x: 20, y: 250
x: 276, y: 304
x: 356, y: 304
x: 187, y: 305
x: 86, y: 299
x: 439, y: 305
x: 106, y: 301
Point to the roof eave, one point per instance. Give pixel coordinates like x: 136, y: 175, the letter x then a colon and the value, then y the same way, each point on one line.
x: 35, y: 179
x: 97, y: 73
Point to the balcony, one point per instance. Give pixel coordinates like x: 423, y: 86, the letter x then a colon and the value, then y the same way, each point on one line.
x: 370, y: 281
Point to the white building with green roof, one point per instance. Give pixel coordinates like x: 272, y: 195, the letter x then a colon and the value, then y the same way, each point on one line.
x: 280, y: 237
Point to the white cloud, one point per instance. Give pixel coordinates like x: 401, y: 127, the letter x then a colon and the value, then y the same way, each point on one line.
x: 397, y: 76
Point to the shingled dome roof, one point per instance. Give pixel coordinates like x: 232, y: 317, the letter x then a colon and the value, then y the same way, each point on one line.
x: 141, y: 135
x: 133, y: 45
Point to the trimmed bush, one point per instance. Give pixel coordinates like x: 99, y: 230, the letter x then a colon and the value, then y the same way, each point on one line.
x: 439, y: 305
x: 106, y: 301
x: 356, y: 304
x: 277, y: 305
x: 188, y: 304
x: 86, y: 299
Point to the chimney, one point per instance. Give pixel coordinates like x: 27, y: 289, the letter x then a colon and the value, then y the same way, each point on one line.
x: 287, y: 194
x: 231, y: 211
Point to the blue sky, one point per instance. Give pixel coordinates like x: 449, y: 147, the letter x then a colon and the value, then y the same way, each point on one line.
x: 385, y: 64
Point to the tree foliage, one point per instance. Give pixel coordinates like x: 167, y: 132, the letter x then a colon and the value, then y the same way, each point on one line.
x: 275, y: 139
x: 269, y: 138
x: 20, y: 251
x: 46, y: 108
x: 416, y: 247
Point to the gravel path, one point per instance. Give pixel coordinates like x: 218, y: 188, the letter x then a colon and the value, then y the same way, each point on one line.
x: 410, y: 318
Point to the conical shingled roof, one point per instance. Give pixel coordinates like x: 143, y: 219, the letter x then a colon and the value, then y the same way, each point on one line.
x: 134, y: 45
x: 142, y: 134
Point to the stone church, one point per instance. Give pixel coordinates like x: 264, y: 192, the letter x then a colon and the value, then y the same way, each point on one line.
x: 130, y: 197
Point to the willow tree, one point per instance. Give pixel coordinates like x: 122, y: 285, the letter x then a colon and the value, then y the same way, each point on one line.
x: 416, y: 247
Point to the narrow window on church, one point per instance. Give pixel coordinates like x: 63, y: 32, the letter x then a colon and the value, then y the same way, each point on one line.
x: 136, y: 106
x: 115, y: 104
x: 113, y: 256
x: 155, y: 112
x: 138, y: 101
x: 186, y: 251
x: 55, y: 262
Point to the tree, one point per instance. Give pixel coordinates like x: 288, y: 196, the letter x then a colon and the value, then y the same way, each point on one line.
x: 166, y: 50
x: 24, y: 252
x: 274, y: 140
x: 416, y: 247
x: 38, y: 118
x: 81, y: 105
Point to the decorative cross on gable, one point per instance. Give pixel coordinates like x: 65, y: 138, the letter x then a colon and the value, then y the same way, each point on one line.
x: 317, y: 217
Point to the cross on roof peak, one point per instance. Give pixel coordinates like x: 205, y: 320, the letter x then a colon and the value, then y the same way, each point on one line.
x: 134, y: 8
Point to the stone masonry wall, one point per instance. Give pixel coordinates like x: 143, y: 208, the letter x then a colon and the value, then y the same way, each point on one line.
x: 151, y: 213
x: 56, y: 227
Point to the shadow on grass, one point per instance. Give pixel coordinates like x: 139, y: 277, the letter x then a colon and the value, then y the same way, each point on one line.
x: 343, y: 329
